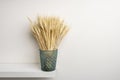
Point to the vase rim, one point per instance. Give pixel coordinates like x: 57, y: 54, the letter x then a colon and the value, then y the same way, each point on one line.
x: 48, y: 50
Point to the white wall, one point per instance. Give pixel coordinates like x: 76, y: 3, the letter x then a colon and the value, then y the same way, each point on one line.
x: 90, y: 51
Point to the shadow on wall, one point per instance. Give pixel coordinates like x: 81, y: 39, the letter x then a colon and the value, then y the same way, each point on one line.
x: 27, y: 79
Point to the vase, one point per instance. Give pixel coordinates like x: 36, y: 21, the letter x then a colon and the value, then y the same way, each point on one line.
x: 48, y: 59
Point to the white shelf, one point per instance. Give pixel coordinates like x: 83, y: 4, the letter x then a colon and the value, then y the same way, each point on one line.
x: 23, y: 71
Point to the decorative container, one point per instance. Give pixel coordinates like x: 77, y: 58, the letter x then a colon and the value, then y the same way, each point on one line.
x: 48, y: 59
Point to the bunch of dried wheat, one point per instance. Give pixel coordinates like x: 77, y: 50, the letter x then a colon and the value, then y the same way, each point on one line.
x: 49, y: 31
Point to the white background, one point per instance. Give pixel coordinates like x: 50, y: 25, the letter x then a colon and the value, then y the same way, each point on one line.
x: 90, y: 51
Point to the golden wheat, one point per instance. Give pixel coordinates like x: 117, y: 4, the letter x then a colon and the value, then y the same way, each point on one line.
x: 49, y: 31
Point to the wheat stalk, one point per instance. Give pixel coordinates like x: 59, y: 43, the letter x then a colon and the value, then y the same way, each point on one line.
x: 49, y: 32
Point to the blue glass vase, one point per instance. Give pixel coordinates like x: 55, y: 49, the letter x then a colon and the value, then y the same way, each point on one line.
x: 48, y: 59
